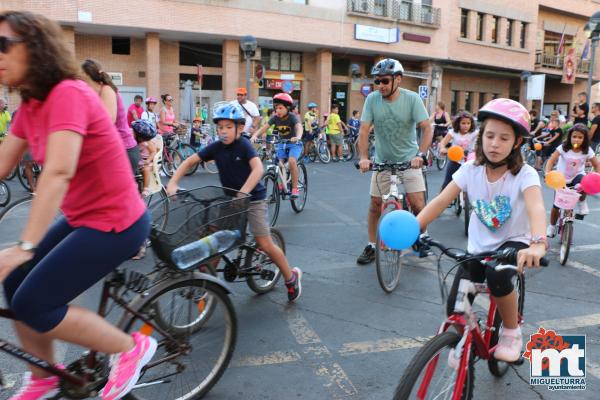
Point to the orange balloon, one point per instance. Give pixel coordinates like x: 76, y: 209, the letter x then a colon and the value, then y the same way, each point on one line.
x: 555, y: 180
x: 456, y: 153
x: 537, y: 146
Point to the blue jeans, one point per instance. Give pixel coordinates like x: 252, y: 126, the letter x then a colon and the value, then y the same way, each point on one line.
x: 289, y: 150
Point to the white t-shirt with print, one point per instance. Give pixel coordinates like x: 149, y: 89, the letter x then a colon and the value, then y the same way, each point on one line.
x: 250, y: 112
x: 150, y: 116
x: 488, y: 198
x: 571, y: 163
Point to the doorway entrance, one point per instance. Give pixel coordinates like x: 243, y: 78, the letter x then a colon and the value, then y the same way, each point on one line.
x: 339, y: 93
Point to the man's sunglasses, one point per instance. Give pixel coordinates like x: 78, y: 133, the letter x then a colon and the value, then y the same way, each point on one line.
x: 170, y: 99
x: 7, y: 42
x: 384, y: 81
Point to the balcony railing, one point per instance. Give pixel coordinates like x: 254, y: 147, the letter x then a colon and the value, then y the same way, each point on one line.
x: 400, y: 10
x: 556, y: 61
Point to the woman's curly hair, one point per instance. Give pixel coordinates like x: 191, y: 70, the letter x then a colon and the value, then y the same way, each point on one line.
x: 50, y: 60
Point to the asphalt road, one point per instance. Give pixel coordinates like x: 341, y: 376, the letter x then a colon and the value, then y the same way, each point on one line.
x: 346, y: 338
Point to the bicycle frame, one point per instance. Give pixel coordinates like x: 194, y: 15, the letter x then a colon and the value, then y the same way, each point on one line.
x: 394, y: 196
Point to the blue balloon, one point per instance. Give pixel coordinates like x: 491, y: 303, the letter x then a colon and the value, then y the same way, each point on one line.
x: 399, y: 229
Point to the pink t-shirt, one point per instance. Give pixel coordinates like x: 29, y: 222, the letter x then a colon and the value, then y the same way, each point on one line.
x: 139, y: 110
x: 103, y: 194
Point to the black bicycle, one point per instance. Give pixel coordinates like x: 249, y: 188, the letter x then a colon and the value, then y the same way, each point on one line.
x: 188, y: 362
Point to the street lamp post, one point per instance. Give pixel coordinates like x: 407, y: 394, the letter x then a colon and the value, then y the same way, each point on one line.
x: 248, y: 45
x: 592, y: 30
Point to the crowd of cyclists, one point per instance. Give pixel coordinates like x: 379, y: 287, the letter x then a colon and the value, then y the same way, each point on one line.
x: 87, y: 175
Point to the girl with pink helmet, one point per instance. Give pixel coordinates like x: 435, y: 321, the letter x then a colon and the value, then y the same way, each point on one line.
x: 507, y: 212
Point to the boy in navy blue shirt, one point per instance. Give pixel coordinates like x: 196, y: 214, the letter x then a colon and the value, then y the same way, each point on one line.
x: 241, y: 169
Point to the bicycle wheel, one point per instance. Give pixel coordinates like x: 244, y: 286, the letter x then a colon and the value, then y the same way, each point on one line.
x: 258, y: 262
x: 23, y: 178
x: 467, y: 213
x: 387, y: 261
x: 171, y: 162
x: 324, y: 153
x: 312, y: 153
x: 426, y: 185
x: 347, y: 150
x: 428, y: 375
x: 273, y: 198
x: 4, y: 194
x: 158, y: 208
x: 457, y: 206
x: 211, y: 167
x: 440, y: 162
x: 496, y: 367
x: 299, y: 203
x: 566, y: 238
x: 186, y: 150
x: 190, y: 365
x: 12, y: 174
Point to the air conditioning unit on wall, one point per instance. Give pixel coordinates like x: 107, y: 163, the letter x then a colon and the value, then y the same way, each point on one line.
x: 361, y: 6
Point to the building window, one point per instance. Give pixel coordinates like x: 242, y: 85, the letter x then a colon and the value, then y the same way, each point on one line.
x: 495, y: 95
x: 121, y: 45
x: 209, y: 82
x: 495, y: 30
x: 340, y: 66
x: 552, y: 43
x: 281, y: 60
x: 480, y: 17
x: 481, y: 99
x: 380, y: 8
x: 207, y: 55
x: 509, y: 32
x: 454, y: 102
x: 523, y: 34
x: 468, y: 101
x: 464, y: 23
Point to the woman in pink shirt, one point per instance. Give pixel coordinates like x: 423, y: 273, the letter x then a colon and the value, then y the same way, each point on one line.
x: 62, y: 122
x: 167, y: 119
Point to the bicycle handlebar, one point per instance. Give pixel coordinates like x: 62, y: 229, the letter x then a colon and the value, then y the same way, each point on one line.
x: 507, y: 258
x: 387, y: 166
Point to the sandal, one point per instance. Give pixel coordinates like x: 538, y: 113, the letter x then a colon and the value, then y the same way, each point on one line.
x: 141, y: 254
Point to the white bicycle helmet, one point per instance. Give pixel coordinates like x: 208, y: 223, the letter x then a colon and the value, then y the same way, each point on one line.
x: 388, y: 66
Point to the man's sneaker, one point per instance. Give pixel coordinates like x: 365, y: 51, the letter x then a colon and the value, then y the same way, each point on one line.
x: 126, y: 367
x: 583, y: 208
x: 551, y: 231
x: 294, y: 285
x: 37, y: 388
x: 295, y: 193
x: 367, y: 256
x: 509, y: 346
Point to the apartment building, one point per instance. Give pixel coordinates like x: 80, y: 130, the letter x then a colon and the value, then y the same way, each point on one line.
x: 462, y: 52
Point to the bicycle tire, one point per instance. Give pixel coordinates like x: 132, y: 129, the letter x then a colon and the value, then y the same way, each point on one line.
x: 23, y: 179
x: 431, y: 350
x: 186, y: 150
x: 312, y: 153
x: 566, y: 238
x: 273, y: 197
x: 203, y: 347
x: 426, y: 185
x: 171, y: 162
x: 388, y: 270
x: 159, y: 208
x: 467, y: 213
x: 211, y: 167
x: 457, y: 206
x: 260, y: 259
x: 4, y: 194
x: 347, y: 150
x: 12, y: 174
x: 496, y: 367
x: 441, y: 162
x: 299, y: 203
x: 323, y: 152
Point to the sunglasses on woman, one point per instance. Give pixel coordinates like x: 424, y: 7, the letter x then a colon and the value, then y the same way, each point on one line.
x: 6, y: 43
x: 384, y: 81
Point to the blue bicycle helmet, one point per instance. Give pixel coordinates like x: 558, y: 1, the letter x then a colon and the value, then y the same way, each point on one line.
x: 230, y: 112
x: 144, y: 129
x: 312, y: 105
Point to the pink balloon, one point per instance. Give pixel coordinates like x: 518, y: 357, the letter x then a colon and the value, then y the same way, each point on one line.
x: 591, y: 183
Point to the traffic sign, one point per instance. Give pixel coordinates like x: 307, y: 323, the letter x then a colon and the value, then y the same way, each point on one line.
x: 259, y: 72
x: 287, y: 86
x: 365, y: 89
x: 423, y: 91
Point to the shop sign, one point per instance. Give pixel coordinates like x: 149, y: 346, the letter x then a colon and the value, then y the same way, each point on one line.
x: 117, y: 78
x: 277, y: 84
x: 376, y: 34
x: 365, y: 89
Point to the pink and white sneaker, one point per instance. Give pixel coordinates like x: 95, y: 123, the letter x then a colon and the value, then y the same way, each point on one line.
x: 510, y: 345
x: 37, y: 388
x: 126, y: 367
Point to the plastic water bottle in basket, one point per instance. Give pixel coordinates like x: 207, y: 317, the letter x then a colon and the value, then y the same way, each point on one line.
x: 192, y: 253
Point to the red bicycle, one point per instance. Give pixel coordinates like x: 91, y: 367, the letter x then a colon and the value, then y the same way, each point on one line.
x: 430, y: 374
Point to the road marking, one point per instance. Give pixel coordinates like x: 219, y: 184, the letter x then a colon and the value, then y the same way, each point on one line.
x: 382, y: 345
x: 301, y: 330
x: 584, y: 268
x: 581, y: 321
x: 277, y: 357
x: 585, y: 247
x: 337, y: 379
x: 10, y: 380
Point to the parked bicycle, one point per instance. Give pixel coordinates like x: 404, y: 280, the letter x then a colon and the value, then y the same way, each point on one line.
x: 430, y: 375
x: 168, y: 292
x: 320, y: 149
x: 278, y: 182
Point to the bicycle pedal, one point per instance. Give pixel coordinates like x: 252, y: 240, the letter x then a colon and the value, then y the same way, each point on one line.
x: 520, y: 361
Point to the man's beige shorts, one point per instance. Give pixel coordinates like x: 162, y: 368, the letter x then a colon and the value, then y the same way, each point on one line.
x: 258, y: 218
x: 412, y: 179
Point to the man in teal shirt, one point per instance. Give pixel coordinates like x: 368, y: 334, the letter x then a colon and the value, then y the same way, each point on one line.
x: 394, y: 112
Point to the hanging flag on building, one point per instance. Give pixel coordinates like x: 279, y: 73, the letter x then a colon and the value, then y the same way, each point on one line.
x: 561, y: 45
x: 586, y: 50
x: 569, y: 67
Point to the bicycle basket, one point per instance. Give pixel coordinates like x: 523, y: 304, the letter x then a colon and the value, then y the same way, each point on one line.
x: 182, y: 130
x: 194, y: 214
x: 566, y: 198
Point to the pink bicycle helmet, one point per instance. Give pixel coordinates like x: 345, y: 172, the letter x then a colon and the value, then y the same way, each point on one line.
x: 283, y: 98
x: 151, y: 100
x: 509, y: 111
